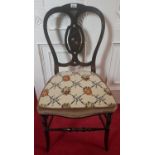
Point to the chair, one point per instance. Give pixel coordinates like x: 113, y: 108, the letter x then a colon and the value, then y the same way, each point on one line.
x: 75, y: 94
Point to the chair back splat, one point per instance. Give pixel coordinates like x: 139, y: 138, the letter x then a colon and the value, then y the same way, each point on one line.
x: 74, y: 36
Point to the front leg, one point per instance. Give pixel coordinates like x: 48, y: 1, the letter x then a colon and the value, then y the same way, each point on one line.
x: 46, y: 131
x: 107, y: 126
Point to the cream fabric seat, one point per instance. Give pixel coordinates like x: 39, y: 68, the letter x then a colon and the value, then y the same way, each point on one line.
x: 76, y: 94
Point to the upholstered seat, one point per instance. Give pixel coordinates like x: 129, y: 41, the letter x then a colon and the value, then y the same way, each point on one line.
x: 76, y: 94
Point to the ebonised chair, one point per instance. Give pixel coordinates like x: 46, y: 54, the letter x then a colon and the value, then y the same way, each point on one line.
x: 75, y: 94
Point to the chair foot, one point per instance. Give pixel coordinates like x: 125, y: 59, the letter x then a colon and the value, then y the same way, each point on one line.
x: 107, y: 126
x: 106, y: 138
x: 46, y: 132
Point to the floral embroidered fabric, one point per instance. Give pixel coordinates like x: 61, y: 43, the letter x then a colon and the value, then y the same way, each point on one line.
x: 82, y: 89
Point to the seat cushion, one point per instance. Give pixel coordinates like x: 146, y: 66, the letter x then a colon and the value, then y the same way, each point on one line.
x: 76, y: 91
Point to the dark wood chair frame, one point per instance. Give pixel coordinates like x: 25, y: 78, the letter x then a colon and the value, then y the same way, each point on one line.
x: 74, y: 42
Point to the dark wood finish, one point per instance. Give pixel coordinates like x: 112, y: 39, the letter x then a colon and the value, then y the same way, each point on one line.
x: 107, y: 128
x: 74, y: 37
x: 46, y: 131
x: 74, y: 42
x: 83, y: 129
x: 50, y: 121
x: 101, y: 119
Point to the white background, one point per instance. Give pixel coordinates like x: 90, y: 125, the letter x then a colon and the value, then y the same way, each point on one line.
x: 137, y: 77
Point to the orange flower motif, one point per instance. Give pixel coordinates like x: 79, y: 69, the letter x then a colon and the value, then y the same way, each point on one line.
x: 87, y: 90
x: 44, y: 93
x: 85, y: 77
x: 66, y: 77
x: 66, y: 90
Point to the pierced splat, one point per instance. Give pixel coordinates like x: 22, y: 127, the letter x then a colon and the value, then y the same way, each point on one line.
x: 74, y: 39
x: 74, y: 36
